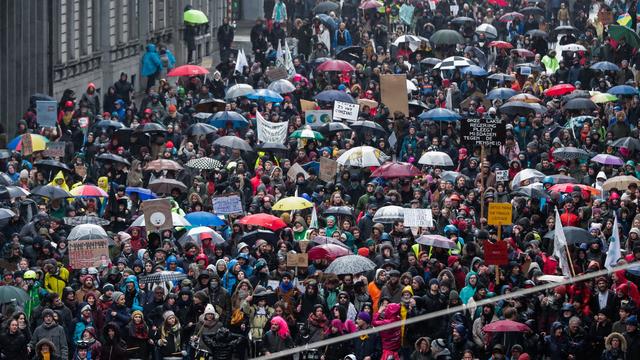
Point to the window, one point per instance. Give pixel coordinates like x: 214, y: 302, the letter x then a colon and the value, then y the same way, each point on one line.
x: 63, y: 31
x: 112, y: 23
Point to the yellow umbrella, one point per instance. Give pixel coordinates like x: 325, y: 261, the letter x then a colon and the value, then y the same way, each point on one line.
x: 292, y: 203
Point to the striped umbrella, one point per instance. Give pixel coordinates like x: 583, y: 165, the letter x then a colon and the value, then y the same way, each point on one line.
x: 88, y: 191
x: 204, y: 163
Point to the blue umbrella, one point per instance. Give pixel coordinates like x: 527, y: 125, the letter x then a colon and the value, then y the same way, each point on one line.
x: 474, y: 70
x: 327, y: 21
x: 440, y: 114
x: 203, y: 218
x: 266, y: 95
x: 335, y: 95
x: 312, y: 165
x: 605, y: 66
x: 221, y: 118
x: 623, y: 90
x: 501, y: 93
x: 143, y: 194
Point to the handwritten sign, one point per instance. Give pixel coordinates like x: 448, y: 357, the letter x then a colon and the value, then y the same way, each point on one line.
x: 270, y: 132
x: 418, y: 218
x: 495, y: 254
x: 344, y: 110
x: 306, y: 105
x: 27, y: 145
x: 157, y: 214
x: 47, y: 113
x: 294, y: 170
x: 276, y: 74
x: 317, y: 117
x: 88, y: 253
x: 55, y: 149
x: 500, y: 214
x: 328, y: 169
x: 298, y: 260
x: 489, y: 132
x: 224, y: 205
x: 391, y: 86
x: 502, y: 175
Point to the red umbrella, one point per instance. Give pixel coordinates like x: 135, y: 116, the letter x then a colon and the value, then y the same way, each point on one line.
x: 188, y: 70
x: 523, y: 52
x: 568, y: 188
x: 270, y: 222
x: 328, y: 251
x: 559, y: 90
x: 501, y: 44
x: 335, y: 65
x: 511, y: 16
x: 501, y: 3
x: 370, y: 4
x: 506, y: 326
x: 396, y: 170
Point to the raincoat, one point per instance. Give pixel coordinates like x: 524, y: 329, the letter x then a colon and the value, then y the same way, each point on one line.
x: 59, y: 181
x: 151, y: 62
x: 468, y: 291
x: 390, y: 338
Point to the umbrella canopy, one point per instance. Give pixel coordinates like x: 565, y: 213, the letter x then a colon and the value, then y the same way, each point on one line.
x: 339, y: 210
x: 267, y: 221
x: 604, y: 66
x: 505, y: 326
x: 580, y: 104
x: 362, y: 156
x: 6, y: 214
x: 143, y: 194
x: 572, y: 47
x: 327, y: 21
x: 336, y: 65
x: 204, y: 163
x: 627, y: 142
x: 38, y: 142
x: 351, y: 53
x: 618, y: 32
x: 411, y: 87
x: 570, y: 153
x: 446, y: 37
x: 195, y: 17
x: 166, y: 186
x: 524, y: 53
x: 292, y: 203
x: 16, y: 192
x: 334, y: 95
x: 535, y: 190
x: 488, y: 30
x: 350, y: 264
x: 88, y: 191
x: 367, y: 125
x: 606, y: 159
x: 574, y: 235
x: 163, y: 276
x: 51, y: 192
x: 113, y: 158
x: 108, y: 125
x: 328, y: 251
x: 501, y: 45
x: 620, y: 182
x: 532, y: 10
x: 282, y: 86
x: 440, y: 114
x: 502, y: 78
x: 87, y: 232
x: 623, y: 90
x: 461, y: 20
x: 188, y: 70
x: 559, y: 90
x: 518, y: 108
x: 163, y: 164
x: 438, y: 241
x: 151, y: 128
x: 474, y: 70
x: 435, y: 158
x: 222, y: 118
x: 501, y: 93
x: 51, y: 165
x: 524, y: 97
x: 86, y: 219
x: 239, y: 90
x: 196, y: 234
x: 178, y: 220
x: 537, y: 33
x: 273, y: 147
x: 250, y: 238
x: 200, y: 129
x: 453, y: 62
x: 306, y: 133
x: 203, y: 218
x: 396, y: 170
x: 370, y: 4
x: 568, y: 188
x: 389, y: 214
x: 601, y: 98
x: 325, y: 7
x: 530, y: 175
x: 511, y: 16
x: 233, y: 142
x: 12, y: 294
x: 412, y: 40
x: 430, y: 61
x: 451, y: 176
x: 266, y: 95
x: 334, y: 127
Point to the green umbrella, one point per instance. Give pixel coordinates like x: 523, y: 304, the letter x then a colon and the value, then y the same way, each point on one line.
x: 446, y: 37
x: 195, y: 17
x: 619, y: 32
x: 307, y: 134
x: 9, y: 294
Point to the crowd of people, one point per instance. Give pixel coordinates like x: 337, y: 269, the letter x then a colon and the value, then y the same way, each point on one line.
x: 230, y: 292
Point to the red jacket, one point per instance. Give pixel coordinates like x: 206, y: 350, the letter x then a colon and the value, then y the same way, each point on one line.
x: 569, y: 219
x: 391, y: 339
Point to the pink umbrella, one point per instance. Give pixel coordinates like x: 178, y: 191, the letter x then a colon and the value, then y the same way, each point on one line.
x: 370, y: 4
x: 335, y: 65
x: 328, y: 251
x: 505, y: 326
x: 396, y: 170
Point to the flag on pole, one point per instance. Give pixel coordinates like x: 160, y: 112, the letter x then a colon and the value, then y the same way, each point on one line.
x: 613, y: 253
x: 241, y: 61
x: 560, y: 246
x: 280, y: 56
x: 314, y: 219
x: 288, y: 60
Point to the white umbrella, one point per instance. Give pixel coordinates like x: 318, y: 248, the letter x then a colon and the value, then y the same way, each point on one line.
x: 532, y: 175
x: 87, y: 232
x: 435, y: 158
x: 194, y: 234
x: 282, y: 86
x: 488, y: 30
x: 362, y: 156
x: 178, y: 220
x: 411, y: 86
x: 453, y: 62
x: 238, y: 91
x: 572, y: 47
x: 413, y: 40
x: 389, y: 214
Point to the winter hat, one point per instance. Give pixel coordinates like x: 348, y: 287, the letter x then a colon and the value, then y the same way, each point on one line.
x: 24, y: 174
x: 86, y: 308
x: 124, y: 236
x: 453, y: 295
x: 461, y: 330
x: 211, y: 310
x: 47, y: 312
x: 167, y: 314
x: 261, y: 263
x: 363, y: 251
x: 364, y: 316
x: 438, y: 345
x: 108, y: 287
x: 202, y: 296
x: 632, y: 320
x: 434, y: 281
x: 116, y: 295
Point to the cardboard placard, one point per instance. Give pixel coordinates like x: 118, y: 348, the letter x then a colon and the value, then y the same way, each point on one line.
x: 391, y: 86
x: 298, y: 260
x: 502, y: 175
x: 157, y: 214
x: 55, y: 149
x: 306, y: 105
x: 229, y: 204
x: 489, y: 132
x: 294, y: 170
x: 328, y: 169
x: 47, y: 113
x: 83, y: 122
x: 27, y: 145
x: 495, y: 254
x: 88, y: 253
x: 418, y: 218
x: 343, y: 110
x: 277, y: 73
x: 317, y: 117
x: 500, y: 214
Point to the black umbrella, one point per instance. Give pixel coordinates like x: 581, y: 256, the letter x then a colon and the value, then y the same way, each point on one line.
x: 128, y: 136
x: 577, y: 94
x: 461, y: 20
x: 537, y: 33
x: 327, y: 21
x: 272, y: 147
x: 580, y: 104
x: 627, y: 142
x: 532, y: 10
x: 501, y: 77
x: 517, y: 108
x: 570, y: 153
x: 574, y: 235
x: 351, y: 53
x: 477, y: 55
x: 250, y: 238
x: 10, y: 294
x: 151, y: 128
x: 564, y: 29
x: 6, y: 214
x: 339, y: 210
x: 113, y: 158
x: 200, y: 129
x: 325, y: 7
x: 446, y: 37
x: 418, y: 103
x: 108, y: 124
x: 5, y: 179
x: 430, y: 61
x: 530, y: 192
x: 334, y: 127
x: 51, y: 192
x: 210, y: 105
x: 51, y: 165
x: 166, y: 185
x: 233, y: 142
x: 367, y: 125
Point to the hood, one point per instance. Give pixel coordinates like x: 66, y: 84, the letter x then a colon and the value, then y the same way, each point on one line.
x: 59, y: 176
x: 424, y: 338
x: 131, y: 279
x: 392, y: 311
x: 103, y: 183
x: 231, y: 264
x: 469, y: 274
x: 91, y: 331
x: 616, y: 335
x: 47, y: 342
x: 408, y: 288
x: 114, y: 327
x: 151, y: 47
x: 141, y: 253
x: 601, y: 175
x: 475, y: 259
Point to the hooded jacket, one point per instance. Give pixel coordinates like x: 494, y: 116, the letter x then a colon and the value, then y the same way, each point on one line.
x: 151, y: 62
x: 390, y: 338
x: 468, y: 291
x: 54, y: 333
x: 59, y: 176
x: 112, y: 349
x: 133, y: 300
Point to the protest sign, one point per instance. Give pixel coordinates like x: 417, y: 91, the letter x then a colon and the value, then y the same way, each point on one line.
x: 157, y: 214
x: 489, y: 132
x: 502, y: 175
x: 500, y: 214
x: 495, y: 254
x: 27, y: 145
x: 306, y: 105
x: 47, y: 113
x: 328, y: 169
x: 343, y: 110
x: 391, y: 86
x: 270, y: 132
x: 55, y: 149
x: 317, y: 117
x: 294, y: 170
x: 224, y: 205
x: 418, y: 218
x: 298, y: 260
x: 88, y: 253
x: 276, y: 73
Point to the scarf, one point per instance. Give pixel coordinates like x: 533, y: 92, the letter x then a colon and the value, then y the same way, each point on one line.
x: 139, y: 331
x: 46, y: 355
x: 285, y: 287
x: 318, y: 321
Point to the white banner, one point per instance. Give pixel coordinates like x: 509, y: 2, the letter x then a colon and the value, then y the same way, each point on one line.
x: 343, y: 110
x: 270, y: 132
x: 418, y: 217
